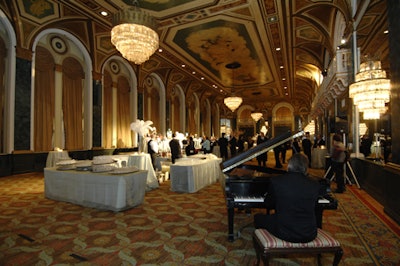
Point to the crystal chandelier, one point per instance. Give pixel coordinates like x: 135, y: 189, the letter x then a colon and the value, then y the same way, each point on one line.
x: 256, y: 116
x: 233, y: 102
x: 134, y: 34
x: 371, y: 90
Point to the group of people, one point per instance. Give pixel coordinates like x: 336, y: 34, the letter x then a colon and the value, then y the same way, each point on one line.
x: 157, y: 144
x: 178, y: 145
x: 297, y: 146
x: 230, y: 143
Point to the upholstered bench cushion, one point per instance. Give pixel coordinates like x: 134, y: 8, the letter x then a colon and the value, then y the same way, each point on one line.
x: 269, y: 241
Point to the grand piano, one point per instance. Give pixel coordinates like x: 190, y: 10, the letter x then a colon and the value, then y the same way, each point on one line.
x: 245, y: 185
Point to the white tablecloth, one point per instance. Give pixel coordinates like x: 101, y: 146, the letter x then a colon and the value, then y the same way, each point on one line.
x: 318, y: 157
x: 96, y: 190
x: 143, y: 162
x: 55, y: 156
x: 191, y: 174
x: 122, y: 159
x: 216, y: 151
x: 160, y: 161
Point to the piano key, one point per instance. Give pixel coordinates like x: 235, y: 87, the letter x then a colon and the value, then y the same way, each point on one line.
x: 248, y: 199
x: 323, y: 200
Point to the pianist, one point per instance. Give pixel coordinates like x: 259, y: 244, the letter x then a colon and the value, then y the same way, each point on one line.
x: 293, y: 196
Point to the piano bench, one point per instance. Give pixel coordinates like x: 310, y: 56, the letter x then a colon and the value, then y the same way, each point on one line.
x: 267, y: 245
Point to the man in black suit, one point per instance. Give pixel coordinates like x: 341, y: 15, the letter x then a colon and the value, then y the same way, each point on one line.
x: 223, y: 146
x: 293, y: 196
x: 307, y: 145
x: 175, y: 148
x: 262, y: 158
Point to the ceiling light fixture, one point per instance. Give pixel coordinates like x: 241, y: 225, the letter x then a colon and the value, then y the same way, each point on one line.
x: 371, y: 90
x: 233, y: 102
x: 134, y: 34
x: 256, y: 116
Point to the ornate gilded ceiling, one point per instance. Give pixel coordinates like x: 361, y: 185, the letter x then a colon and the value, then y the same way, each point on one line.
x: 281, y: 45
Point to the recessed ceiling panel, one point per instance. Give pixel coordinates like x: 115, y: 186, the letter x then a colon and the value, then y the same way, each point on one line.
x: 219, y: 41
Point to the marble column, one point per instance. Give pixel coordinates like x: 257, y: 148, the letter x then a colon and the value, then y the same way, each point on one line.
x: 393, y: 8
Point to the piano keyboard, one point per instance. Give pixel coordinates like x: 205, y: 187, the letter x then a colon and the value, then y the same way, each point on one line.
x: 323, y: 200
x: 261, y: 199
x: 248, y: 199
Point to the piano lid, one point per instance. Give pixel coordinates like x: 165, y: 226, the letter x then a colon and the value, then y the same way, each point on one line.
x: 257, y: 150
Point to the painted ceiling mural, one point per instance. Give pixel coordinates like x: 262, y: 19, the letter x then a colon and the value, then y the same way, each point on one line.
x: 219, y: 43
x: 206, y: 35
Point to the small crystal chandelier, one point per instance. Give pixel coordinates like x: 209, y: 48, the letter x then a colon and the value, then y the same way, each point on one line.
x: 256, y: 116
x: 233, y: 102
x: 134, y: 34
x: 371, y: 90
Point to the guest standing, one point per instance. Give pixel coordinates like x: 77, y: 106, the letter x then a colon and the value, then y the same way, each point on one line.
x: 240, y: 144
x: 306, y: 144
x: 190, y: 148
x: 277, y: 152
x: 262, y: 158
x: 338, y: 158
x: 295, y: 146
x: 284, y: 148
x: 206, y: 145
x: 223, y: 146
x: 233, y: 145
x: 175, y: 148
x: 152, y: 149
x: 319, y: 142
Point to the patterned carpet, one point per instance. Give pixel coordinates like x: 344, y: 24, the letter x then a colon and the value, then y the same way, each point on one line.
x: 167, y: 229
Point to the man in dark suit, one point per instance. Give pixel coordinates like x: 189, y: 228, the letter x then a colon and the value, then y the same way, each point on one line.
x: 293, y: 196
x: 263, y: 157
x: 175, y: 148
x: 307, y: 145
x: 223, y: 146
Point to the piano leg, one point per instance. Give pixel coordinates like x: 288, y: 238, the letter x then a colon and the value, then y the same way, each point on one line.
x: 231, y: 213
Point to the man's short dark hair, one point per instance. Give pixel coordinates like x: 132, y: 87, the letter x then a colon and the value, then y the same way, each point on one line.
x: 298, y: 163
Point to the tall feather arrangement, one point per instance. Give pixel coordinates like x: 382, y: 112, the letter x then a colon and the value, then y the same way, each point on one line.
x: 142, y: 127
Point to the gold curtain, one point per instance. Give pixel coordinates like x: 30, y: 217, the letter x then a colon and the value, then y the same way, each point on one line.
x: 191, y: 116
x: 3, y: 55
x: 124, y: 138
x: 155, y: 107
x: 107, y: 110
x: 73, y: 76
x: 205, y: 119
x: 44, y: 100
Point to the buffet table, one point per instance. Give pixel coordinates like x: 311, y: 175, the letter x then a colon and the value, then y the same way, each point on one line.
x: 96, y: 190
x: 143, y: 162
x: 162, y: 160
x: 193, y: 173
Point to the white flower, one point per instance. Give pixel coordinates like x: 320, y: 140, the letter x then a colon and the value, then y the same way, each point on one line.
x: 142, y: 127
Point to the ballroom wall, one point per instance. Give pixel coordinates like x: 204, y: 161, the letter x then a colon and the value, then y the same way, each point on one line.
x: 22, y: 117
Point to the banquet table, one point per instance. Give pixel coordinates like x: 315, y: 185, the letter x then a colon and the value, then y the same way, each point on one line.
x: 106, y: 191
x: 161, y: 160
x: 216, y: 151
x: 143, y: 162
x: 55, y: 156
x: 318, y: 157
x: 190, y: 174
